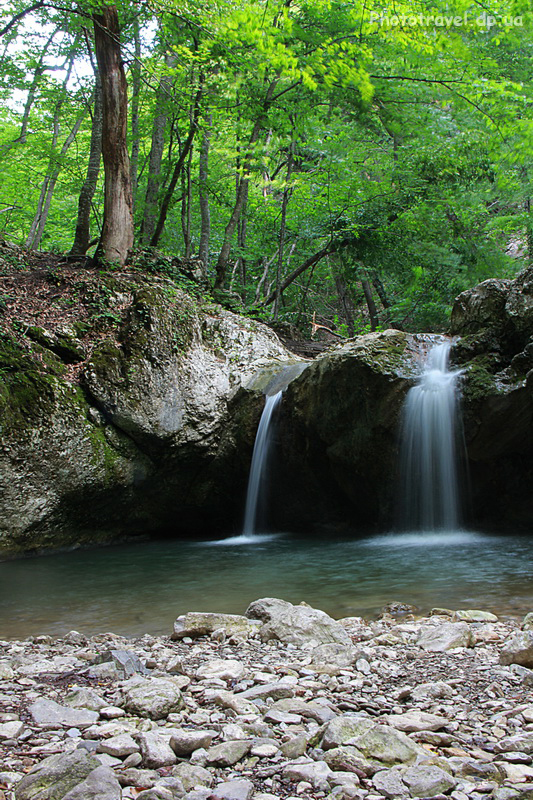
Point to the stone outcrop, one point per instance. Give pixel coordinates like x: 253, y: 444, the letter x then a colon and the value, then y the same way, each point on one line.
x: 156, y: 431
x: 495, y: 323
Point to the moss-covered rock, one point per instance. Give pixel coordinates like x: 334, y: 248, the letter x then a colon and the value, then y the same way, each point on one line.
x: 157, y: 436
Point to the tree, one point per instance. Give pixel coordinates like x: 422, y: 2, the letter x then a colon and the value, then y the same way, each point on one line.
x: 116, y: 238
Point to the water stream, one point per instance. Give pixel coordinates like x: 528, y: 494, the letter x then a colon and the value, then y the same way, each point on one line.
x: 429, y: 486
x: 259, y: 466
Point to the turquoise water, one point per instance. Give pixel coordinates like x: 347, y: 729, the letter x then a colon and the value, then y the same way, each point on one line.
x: 133, y: 589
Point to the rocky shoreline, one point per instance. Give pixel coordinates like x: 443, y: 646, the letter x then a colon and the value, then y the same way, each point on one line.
x: 284, y: 702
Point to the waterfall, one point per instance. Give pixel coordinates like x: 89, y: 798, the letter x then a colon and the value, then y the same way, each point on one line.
x: 428, y: 467
x: 259, y: 462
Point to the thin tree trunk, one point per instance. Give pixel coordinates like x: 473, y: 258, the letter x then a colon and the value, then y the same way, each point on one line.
x: 242, y: 194
x: 82, y: 236
x: 178, y: 167
x: 186, y: 206
x: 50, y: 183
x: 116, y: 239
x: 314, y: 259
x: 156, y: 155
x: 135, y: 95
x: 43, y: 205
x: 203, y: 172
x: 282, y: 231
x: 372, y: 311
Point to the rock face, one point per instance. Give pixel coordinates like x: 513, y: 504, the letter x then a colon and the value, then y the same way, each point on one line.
x: 495, y: 321
x: 340, y: 429
x: 159, y: 421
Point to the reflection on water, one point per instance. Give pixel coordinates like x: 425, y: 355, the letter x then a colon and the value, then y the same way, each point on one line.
x: 133, y: 589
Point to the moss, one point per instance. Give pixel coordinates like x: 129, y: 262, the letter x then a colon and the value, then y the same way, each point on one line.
x: 27, y: 389
x: 479, y: 380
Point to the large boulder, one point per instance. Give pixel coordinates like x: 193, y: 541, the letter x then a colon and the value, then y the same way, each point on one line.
x: 340, y: 430
x: 495, y: 321
x: 155, y: 432
x: 298, y: 625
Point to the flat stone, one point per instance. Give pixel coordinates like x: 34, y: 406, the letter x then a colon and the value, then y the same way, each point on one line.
x: 447, y: 636
x: 264, y: 750
x: 276, y: 691
x: 415, y: 720
x: 192, y: 775
x: 314, y: 772
x: 125, y: 662
x: 344, y: 728
x: 199, y: 623
x: 474, y: 615
x: 49, y: 714
x: 227, y: 699
x: 119, y: 746
x: 427, y: 780
x: 225, y: 670
x: 11, y: 730
x: 184, y: 742
x: 84, y: 697
x: 227, y: 754
x: 234, y: 790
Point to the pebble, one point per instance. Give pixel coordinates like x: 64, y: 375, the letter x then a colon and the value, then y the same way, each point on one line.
x: 419, y: 708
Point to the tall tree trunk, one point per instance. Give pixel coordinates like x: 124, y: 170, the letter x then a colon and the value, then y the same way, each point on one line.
x: 195, y: 112
x: 203, y: 172
x: 242, y: 193
x: 346, y: 302
x: 116, y: 239
x: 135, y: 96
x: 156, y: 155
x: 372, y: 311
x: 282, y: 231
x: 82, y: 235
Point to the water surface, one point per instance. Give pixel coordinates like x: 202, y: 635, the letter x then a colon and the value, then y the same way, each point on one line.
x: 133, y: 589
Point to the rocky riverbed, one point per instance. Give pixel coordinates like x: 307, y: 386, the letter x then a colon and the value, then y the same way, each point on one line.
x: 284, y: 702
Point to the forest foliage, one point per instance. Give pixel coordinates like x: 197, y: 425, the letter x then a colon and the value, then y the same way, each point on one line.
x: 354, y: 163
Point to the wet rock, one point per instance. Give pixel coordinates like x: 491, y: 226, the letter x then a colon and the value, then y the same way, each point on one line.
x: 446, y: 636
x: 518, y: 649
x: 155, y: 698
x: 297, y: 625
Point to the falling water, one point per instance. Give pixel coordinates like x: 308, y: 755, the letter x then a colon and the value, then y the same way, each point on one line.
x: 259, y: 462
x: 429, y: 482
